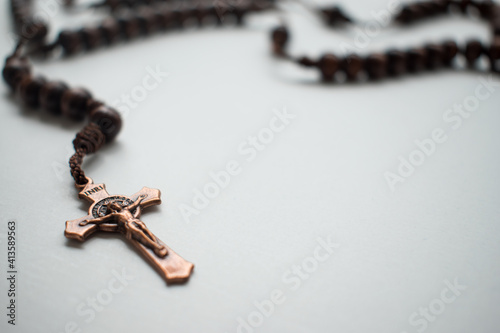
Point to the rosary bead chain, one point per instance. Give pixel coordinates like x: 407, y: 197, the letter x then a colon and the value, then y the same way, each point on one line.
x: 145, y: 21
x: 395, y: 63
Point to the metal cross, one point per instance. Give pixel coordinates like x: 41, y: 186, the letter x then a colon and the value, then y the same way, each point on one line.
x: 119, y: 213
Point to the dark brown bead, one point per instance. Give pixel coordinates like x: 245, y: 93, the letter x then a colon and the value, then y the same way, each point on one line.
x: 108, y: 120
x: 15, y: 69
x: 376, y: 66
x: 110, y: 30
x: 50, y: 96
x: 435, y: 54
x: 464, y: 5
x: 416, y: 12
x: 29, y: 90
x: 129, y: 26
x: 494, y: 54
x: 450, y: 51
x: 405, y: 16
x: 333, y: 16
x: 74, y: 103
x: 92, y: 37
x: 279, y: 38
x: 35, y: 31
x: 485, y: 8
x: 472, y: 52
x: 416, y: 60
x: 396, y: 62
x: 307, y: 62
x: 70, y: 41
x: 148, y: 23
x: 352, y: 65
x: 328, y: 65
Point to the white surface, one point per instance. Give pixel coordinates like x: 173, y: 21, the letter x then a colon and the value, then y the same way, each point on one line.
x: 322, y: 176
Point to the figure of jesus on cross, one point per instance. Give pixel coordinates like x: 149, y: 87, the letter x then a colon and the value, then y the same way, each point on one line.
x: 132, y: 226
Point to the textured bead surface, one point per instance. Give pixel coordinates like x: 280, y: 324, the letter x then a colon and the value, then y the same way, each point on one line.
x: 435, y: 55
x: 417, y: 59
x: 352, y: 65
x: 376, y: 66
x: 70, y: 41
x: 108, y: 120
x: 472, y: 52
x: 16, y: 68
x: 74, y: 103
x: 450, y: 51
x: 29, y: 90
x: 396, y: 62
x: 328, y: 65
x: 50, y: 96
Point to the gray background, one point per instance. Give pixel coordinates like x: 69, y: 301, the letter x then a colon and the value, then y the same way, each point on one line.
x: 322, y: 176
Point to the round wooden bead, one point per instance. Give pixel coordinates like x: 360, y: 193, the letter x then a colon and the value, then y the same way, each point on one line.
x: 328, y: 65
x: 129, y: 26
x: 352, y: 65
x: 15, y: 69
x: 307, y: 62
x: 472, y: 52
x: 110, y: 30
x: 485, y: 8
x: 29, y: 90
x: 416, y: 60
x: 50, y: 96
x: 376, y: 66
x: 92, y: 37
x: 35, y: 31
x: 279, y: 38
x: 108, y: 120
x: 450, y: 50
x: 147, y: 22
x: 494, y: 54
x: 74, y: 103
x: 396, y: 62
x: 70, y: 41
x: 434, y: 56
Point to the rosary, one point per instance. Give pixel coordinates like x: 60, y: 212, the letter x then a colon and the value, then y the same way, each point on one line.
x: 132, y: 19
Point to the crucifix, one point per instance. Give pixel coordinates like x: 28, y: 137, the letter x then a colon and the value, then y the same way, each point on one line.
x: 119, y: 213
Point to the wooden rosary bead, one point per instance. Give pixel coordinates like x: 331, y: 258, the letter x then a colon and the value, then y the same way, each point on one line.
x: 472, y: 52
x: 352, y: 65
x: 74, y: 103
x: 29, y: 90
x: 70, y: 41
x: 50, y: 96
x: 416, y: 60
x: 485, y: 8
x: 450, y: 51
x: 376, y: 66
x: 92, y: 37
x: 129, y: 26
x: 435, y: 55
x: 34, y: 31
x: 15, y: 69
x: 494, y: 54
x: 307, y: 62
x: 110, y: 30
x: 279, y: 38
x: 334, y: 16
x: 108, y: 120
x: 328, y: 65
x: 148, y: 22
x: 396, y: 62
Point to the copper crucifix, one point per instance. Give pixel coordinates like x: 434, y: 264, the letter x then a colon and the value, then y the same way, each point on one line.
x: 119, y: 213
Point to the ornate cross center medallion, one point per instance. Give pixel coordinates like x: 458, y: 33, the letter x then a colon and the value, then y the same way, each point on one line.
x: 119, y: 213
